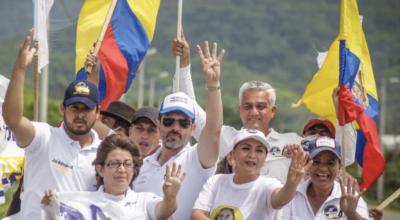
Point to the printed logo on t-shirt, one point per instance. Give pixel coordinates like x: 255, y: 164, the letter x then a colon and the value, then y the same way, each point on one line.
x: 332, y: 212
x: 226, y: 212
x: 61, y: 166
x: 275, y: 151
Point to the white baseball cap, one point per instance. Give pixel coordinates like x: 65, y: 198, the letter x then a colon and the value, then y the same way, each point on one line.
x: 246, y: 133
x: 178, y: 101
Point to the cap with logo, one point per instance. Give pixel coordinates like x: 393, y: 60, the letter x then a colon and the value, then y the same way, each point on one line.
x: 119, y: 110
x: 246, y: 133
x: 178, y: 101
x: 321, y: 144
x: 81, y: 91
x: 146, y: 112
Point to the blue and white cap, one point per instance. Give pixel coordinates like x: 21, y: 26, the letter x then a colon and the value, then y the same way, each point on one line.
x: 324, y: 144
x: 178, y: 101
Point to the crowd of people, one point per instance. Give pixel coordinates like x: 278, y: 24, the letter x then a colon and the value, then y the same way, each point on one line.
x: 126, y: 163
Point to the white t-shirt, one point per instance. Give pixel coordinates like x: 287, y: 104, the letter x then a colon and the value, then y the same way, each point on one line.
x: 151, y: 178
x: 299, y: 208
x: 55, y: 161
x: 221, y: 196
x: 132, y: 205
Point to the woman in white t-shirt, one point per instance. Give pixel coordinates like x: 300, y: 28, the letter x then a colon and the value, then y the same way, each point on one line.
x: 246, y: 194
x: 117, y: 164
x: 321, y: 196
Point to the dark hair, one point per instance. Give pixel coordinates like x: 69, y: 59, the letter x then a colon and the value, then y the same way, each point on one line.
x: 111, y: 143
x: 223, y: 167
x: 122, y: 124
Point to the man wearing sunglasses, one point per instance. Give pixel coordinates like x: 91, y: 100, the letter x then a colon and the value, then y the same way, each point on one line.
x: 178, y: 121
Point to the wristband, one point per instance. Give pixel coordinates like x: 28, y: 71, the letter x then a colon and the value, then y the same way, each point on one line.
x: 213, y: 88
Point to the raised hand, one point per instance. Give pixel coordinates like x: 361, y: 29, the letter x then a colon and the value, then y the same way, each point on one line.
x: 210, y: 63
x: 350, y: 195
x: 173, y: 180
x: 180, y: 47
x: 26, y: 53
x: 299, y: 166
x: 290, y: 149
x: 48, y: 197
x: 92, y: 64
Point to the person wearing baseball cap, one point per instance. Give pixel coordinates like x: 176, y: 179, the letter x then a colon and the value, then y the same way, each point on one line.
x: 327, y: 197
x: 118, y: 117
x: 56, y: 157
x: 177, y: 123
x: 318, y: 126
x: 248, y: 193
x: 144, y: 130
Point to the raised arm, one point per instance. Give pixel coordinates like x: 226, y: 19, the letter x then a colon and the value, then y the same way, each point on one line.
x: 208, y: 146
x: 92, y: 61
x: 298, y: 168
x: 181, y: 48
x: 172, y: 184
x: 13, y: 106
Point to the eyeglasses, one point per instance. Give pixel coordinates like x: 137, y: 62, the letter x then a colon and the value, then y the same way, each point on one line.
x: 115, y: 164
x: 184, y: 122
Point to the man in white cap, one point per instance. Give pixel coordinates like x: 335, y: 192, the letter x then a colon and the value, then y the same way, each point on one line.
x: 177, y: 117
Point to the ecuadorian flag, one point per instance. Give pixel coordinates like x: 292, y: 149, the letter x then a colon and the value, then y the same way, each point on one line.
x: 124, y: 46
x: 348, y: 65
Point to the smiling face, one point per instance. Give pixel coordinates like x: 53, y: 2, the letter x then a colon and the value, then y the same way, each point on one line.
x: 255, y: 110
x: 249, y: 156
x: 116, y: 179
x: 324, y: 170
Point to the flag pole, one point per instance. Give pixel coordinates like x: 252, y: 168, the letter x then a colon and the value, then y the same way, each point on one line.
x: 36, y: 86
x: 97, y: 45
x: 178, y: 36
x: 389, y: 200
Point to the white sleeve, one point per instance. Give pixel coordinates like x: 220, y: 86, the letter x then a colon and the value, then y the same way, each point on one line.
x: 271, y: 185
x: 226, y: 140
x: 185, y: 82
x: 186, y: 86
x: 206, y: 196
x: 151, y: 201
x: 42, y: 132
x: 362, y: 209
x: 350, y: 138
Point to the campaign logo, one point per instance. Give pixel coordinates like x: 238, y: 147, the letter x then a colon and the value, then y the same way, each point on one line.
x: 275, y: 151
x: 332, y: 212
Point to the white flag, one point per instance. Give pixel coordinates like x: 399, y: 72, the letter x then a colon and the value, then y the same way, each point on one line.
x: 41, y: 16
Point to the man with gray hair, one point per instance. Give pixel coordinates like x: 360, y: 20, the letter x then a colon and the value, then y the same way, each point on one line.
x: 256, y: 107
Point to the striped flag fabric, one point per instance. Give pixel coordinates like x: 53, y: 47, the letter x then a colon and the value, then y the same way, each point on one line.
x: 348, y: 65
x: 124, y: 46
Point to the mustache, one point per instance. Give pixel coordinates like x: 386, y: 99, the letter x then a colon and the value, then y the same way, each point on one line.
x: 174, y: 133
x: 80, y: 121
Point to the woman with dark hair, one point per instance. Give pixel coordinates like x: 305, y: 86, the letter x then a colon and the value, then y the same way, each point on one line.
x: 117, y: 164
x: 322, y: 196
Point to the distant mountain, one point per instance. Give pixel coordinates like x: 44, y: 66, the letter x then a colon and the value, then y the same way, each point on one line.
x: 271, y: 40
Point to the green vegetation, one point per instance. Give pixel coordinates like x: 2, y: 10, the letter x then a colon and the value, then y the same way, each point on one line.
x: 270, y: 40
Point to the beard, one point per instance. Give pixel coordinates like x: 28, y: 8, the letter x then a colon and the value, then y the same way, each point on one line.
x: 78, y: 132
x: 174, y: 142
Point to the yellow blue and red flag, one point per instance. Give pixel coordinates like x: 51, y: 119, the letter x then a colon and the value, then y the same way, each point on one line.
x: 124, y: 46
x: 348, y: 65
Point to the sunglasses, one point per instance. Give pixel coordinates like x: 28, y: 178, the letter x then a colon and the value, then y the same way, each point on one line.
x: 184, y: 123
